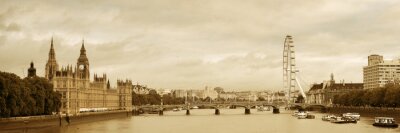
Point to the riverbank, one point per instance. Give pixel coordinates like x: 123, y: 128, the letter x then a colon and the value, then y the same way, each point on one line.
x: 40, y: 122
x: 367, y: 112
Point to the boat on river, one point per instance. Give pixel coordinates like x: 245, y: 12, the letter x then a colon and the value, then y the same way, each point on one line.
x: 341, y: 120
x: 385, y: 122
x: 176, y: 109
x: 355, y: 116
x: 328, y: 117
x: 302, y: 115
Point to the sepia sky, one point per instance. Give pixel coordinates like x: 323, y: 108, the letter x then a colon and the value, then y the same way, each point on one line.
x: 190, y: 44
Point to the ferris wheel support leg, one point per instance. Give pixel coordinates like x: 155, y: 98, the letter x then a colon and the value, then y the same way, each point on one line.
x: 301, y: 89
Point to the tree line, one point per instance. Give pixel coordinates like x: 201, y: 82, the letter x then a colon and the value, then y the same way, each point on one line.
x: 388, y: 96
x: 27, y: 97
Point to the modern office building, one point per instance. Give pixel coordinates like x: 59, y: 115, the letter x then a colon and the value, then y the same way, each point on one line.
x: 379, y: 72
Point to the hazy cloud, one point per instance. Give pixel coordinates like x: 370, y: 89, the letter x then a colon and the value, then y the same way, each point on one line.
x: 181, y: 44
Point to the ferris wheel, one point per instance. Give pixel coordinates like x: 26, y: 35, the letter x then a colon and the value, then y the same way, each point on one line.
x: 290, y: 79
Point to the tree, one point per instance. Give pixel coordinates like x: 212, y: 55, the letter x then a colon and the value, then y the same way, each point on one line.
x: 260, y: 99
x: 378, y: 96
x: 388, y: 96
x: 207, y: 99
x: 391, y: 98
x: 336, y: 99
x: 47, y: 101
x: 367, y: 97
x: 153, y: 98
x: 30, y: 96
x: 299, y: 99
x: 153, y: 92
x: 219, y: 89
x: 356, y: 97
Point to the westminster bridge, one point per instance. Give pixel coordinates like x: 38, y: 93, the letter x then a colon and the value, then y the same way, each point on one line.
x: 219, y: 105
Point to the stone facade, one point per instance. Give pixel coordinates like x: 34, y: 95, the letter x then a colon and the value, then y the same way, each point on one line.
x: 324, y: 93
x: 210, y: 92
x: 79, y: 94
x: 228, y: 95
x: 277, y: 97
x: 196, y: 93
x: 180, y: 93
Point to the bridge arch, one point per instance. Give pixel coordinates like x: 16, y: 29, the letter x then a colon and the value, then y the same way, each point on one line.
x: 238, y: 105
x: 269, y: 105
x: 211, y: 106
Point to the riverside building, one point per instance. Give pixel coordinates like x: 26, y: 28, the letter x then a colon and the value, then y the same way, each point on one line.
x: 379, y: 72
x: 325, y: 92
x: 80, y: 94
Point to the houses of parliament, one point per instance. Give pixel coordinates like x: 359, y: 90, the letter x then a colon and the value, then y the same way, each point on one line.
x: 79, y: 93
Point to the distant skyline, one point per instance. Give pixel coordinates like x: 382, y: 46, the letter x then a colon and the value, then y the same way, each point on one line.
x: 190, y: 44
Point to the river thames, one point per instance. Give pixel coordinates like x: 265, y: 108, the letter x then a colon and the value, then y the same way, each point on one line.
x: 230, y: 121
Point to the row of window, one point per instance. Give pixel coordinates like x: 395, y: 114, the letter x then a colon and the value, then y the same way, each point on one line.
x: 64, y: 84
x: 389, y: 65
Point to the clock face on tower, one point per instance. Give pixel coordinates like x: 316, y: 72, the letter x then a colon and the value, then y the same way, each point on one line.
x: 81, y: 67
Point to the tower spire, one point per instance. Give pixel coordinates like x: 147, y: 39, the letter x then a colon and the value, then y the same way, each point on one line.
x: 83, y: 50
x: 82, y: 57
x: 51, y: 65
x: 108, y: 84
x: 52, y: 54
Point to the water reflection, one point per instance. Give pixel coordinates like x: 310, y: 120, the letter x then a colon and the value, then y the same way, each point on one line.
x: 230, y: 121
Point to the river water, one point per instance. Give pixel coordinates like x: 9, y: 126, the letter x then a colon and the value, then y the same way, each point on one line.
x: 230, y: 121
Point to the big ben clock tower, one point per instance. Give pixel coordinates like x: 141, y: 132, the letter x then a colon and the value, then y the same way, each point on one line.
x: 82, y: 71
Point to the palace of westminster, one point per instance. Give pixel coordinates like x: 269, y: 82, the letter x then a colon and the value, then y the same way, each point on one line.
x: 79, y: 94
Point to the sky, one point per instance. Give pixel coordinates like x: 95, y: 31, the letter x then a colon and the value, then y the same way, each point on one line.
x: 190, y: 44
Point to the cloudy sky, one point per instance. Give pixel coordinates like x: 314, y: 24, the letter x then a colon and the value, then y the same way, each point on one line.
x: 190, y: 44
